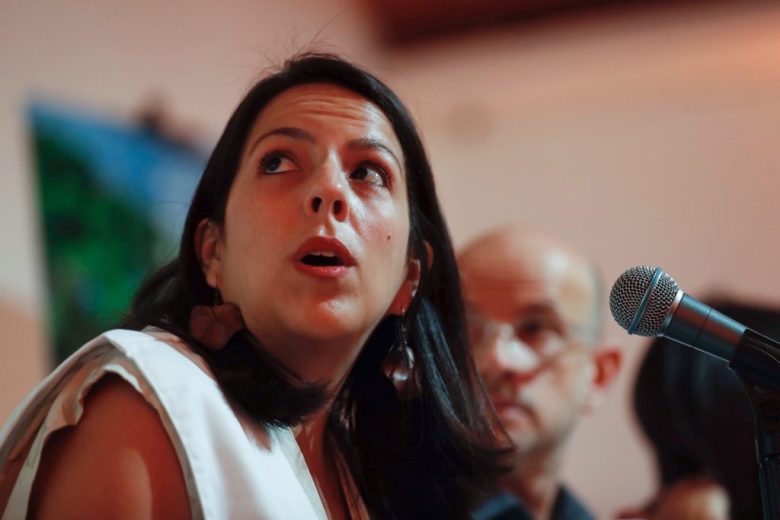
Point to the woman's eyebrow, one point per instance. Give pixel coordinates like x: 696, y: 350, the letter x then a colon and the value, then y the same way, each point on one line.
x: 370, y: 143
x: 289, y: 131
x: 362, y: 143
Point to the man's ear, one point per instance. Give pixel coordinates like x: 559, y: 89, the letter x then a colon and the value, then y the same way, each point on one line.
x: 607, y: 360
x: 208, y: 241
x: 410, y: 284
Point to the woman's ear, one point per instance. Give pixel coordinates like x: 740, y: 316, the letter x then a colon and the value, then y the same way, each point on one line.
x: 208, y: 241
x: 410, y: 284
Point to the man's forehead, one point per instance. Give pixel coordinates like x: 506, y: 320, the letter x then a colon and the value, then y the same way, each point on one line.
x: 509, y: 275
x: 492, y: 298
x: 505, y: 294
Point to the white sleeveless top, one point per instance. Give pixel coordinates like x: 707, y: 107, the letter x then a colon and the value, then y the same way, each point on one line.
x: 232, y: 467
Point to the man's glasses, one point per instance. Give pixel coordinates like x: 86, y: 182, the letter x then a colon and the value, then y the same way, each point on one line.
x: 533, y: 340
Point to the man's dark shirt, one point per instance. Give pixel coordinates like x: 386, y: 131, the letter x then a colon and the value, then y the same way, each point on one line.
x: 508, y: 507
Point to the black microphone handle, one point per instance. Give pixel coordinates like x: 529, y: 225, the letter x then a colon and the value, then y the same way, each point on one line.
x: 698, y: 325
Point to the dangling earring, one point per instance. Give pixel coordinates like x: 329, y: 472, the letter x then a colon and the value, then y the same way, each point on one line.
x: 213, y: 326
x: 399, y: 367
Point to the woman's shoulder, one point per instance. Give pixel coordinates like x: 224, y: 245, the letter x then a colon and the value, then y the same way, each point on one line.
x: 121, y: 447
x: 160, y: 354
x: 125, y: 380
x: 106, y: 410
x: 155, y: 345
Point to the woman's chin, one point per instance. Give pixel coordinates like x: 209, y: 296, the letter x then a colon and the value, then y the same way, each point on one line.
x: 313, y: 321
x: 327, y: 326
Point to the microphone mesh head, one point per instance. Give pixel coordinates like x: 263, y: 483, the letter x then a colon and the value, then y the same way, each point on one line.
x: 627, y: 294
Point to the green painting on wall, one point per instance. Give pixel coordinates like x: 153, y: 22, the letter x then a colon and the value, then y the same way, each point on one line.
x: 113, y: 197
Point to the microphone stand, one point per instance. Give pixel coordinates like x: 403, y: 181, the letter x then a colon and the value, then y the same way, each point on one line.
x: 756, y: 361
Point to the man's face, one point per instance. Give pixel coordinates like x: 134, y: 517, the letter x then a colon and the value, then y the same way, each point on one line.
x: 532, y: 326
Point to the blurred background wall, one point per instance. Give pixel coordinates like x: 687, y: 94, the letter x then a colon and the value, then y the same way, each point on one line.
x: 641, y: 135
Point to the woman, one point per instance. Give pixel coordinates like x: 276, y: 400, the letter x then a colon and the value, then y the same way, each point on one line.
x: 316, y: 286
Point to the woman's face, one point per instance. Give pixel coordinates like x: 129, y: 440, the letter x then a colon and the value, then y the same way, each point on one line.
x: 313, y: 249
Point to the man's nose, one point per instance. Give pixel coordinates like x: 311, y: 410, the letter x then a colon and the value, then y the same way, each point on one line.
x: 504, y: 354
x: 328, y: 193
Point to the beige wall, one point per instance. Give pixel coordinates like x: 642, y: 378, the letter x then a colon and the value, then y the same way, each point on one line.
x: 642, y: 138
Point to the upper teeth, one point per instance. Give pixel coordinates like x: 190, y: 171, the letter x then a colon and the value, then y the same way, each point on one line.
x: 323, y: 253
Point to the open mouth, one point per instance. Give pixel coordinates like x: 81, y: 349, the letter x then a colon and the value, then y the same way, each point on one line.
x: 322, y: 259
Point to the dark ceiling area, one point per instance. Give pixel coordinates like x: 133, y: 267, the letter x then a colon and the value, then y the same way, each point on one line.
x: 410, y: 22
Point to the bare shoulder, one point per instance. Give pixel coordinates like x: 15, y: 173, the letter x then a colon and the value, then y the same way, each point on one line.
x: 117, y: 462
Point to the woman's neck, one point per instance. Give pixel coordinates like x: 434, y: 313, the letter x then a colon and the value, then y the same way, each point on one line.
x: 315, y: 360
x: 322, y: 463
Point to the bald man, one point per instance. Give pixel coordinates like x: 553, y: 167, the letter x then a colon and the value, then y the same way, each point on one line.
x: 535, y: 311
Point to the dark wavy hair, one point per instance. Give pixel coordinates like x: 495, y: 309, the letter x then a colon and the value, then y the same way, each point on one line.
x: 429, y: 457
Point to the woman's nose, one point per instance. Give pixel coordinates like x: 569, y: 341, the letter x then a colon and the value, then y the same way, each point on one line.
x: 328, y: 194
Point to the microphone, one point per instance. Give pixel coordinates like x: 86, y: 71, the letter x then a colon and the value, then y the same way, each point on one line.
x: 648, y: 302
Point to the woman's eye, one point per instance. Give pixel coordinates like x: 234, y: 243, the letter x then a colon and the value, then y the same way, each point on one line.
x: 276, y: 162
x: 370, y: 173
